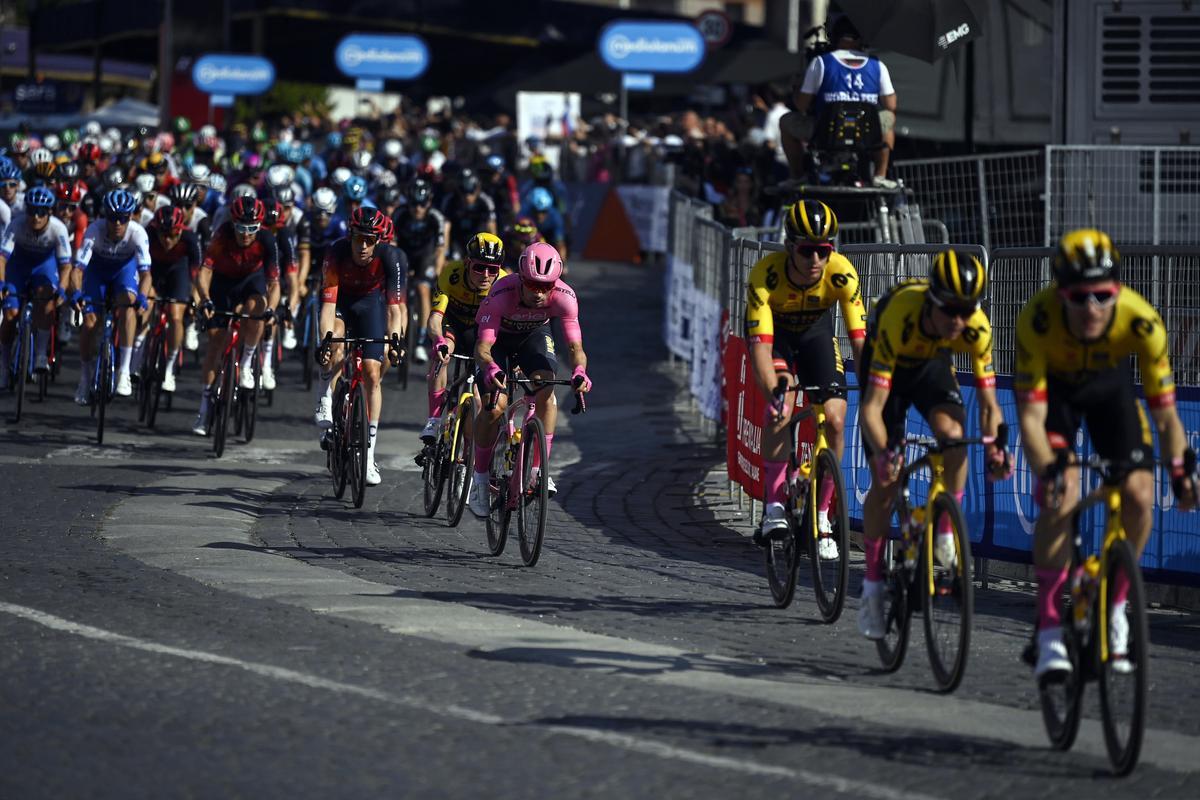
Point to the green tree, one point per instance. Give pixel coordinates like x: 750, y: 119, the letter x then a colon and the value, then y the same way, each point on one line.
x: 285, y: 97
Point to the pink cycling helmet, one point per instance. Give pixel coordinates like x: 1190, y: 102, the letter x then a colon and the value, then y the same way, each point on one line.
x: 540, y: 262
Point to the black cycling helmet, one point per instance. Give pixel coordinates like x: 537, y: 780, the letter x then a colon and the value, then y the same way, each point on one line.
x: 468, y: 181
x: 389, y: 195
x: 114, y: 178
x: 247, y: 211
x: 810, y: 220
x: 420, y: 193
x: 1086, y: 255
x: 369, y: 221
x: 957, y: 278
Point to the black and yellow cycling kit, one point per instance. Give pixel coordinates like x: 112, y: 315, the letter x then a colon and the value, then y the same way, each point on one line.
x: 455, y: 299
x: 1091, y: 381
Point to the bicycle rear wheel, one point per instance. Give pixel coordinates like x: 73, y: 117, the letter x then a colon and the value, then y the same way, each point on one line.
x: 433, y: 475
x: 535, y: 497
x: 1122, y: 679
x: 459, y: 470
x: 831, y: 574
x: 250, y: 400
x: 897, y: 616
x: 1061, y: 696
x: 950, y: 605
x: 356, y: 446
x: 498, y: 512
x: 782, y: 552
x: 157, y: 371
x: 310, y: 345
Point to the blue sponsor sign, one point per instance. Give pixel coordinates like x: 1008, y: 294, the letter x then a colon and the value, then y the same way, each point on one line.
x: 220, y: 100
x: 369, y: 84
x: 400, y: 57
x: 637, y: 81
x: 226, y: 73
x: 629, y: 46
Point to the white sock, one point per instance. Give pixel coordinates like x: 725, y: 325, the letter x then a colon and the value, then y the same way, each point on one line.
x: 248, y: 358
x: 481, y: 477
x: 823, y: 517
x: 372, y: 435
x: 775, y: 506
x: 268, y: 354
x: 205, y: 399
x: 871, y: 588
x: 126, y: 354
x: 86, y: 368
x: 171, y: 361
x: 41, y: 341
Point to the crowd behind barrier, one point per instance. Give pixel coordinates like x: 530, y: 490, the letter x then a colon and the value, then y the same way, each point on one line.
x: 707, y: 269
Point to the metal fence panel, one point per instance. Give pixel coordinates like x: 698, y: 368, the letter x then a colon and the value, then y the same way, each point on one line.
x: 993, y: 200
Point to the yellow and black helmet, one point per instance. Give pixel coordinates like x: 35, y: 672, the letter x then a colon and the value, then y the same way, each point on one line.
x: 957, y: 278
x: 810, y: 220
x: 1086, y: 255
x: 486, y: 248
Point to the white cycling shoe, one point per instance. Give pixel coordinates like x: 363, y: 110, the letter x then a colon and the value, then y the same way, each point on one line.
x: 1052, y: 654
x: 191, y: 338
x: 944, y: 549
x: 1118, y: 641
x: 41, y: 363
x: 827, y: 549
x: 200, y: 427
x: 124, y: 384
x: 324, y: 413
x: 373, y: 477
x: 168, y: 382
x: 246, y: 379
x: 477, y: 499
x: 83, y: 392
x: 268, y: 378
x: 430, y: 432
x: 420, y: 354
x: 870, y: 614
x: 289, y: 339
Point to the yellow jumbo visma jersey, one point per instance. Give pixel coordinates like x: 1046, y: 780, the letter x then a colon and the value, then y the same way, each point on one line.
x: 1046, y: 347
x: 775, y: 305
x: 897, y: 341
x: 454, y: 298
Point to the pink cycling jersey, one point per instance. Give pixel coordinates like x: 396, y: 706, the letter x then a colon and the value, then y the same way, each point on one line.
x: 502, y: 312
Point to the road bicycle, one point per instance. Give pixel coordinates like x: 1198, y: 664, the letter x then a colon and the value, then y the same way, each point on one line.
x: 807, y: 470
x: 346, y: 442
x: 916, y: 580
x: 448, y: 461
x: 228, y: 397
x: 516, y: 482
x: 21, y: 367
x: 104, y: 377
x: 308, y: 336
x: 1088, y: 619
x: 156, y: 355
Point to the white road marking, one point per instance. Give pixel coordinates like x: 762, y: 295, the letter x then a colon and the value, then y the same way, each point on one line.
x: 623, y: 741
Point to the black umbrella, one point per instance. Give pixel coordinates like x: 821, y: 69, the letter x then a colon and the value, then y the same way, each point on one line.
x: 924, y: 29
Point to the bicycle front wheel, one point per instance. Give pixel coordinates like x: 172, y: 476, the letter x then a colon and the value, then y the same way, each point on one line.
x: 949, y: 595
x: 155, y: 386
x: 222, y: 400
x: 433, y: 475
x: 338, y: 466
x: 459, y: 469
x: 249, y: 398
x: 531, y: 508
x: 356, y: 447
x: 24, y: 351
x: 104, y: 385
x: 497, y: 488
x: 1061, y: 696
x: 829, y: 552
x: 1122, y: 666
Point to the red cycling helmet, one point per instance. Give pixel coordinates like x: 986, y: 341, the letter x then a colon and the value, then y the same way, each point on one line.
x: 247, y: 211
x: 369, y: 221
x: 273, y: 211
x: 390, y: 231
x: 89, y: 153
x: 70, y: 192
x: 169, y: 220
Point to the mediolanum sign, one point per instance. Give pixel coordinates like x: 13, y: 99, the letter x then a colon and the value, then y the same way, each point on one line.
x: 226, y: 73
x: 629, y: 46
x: 362, y: 55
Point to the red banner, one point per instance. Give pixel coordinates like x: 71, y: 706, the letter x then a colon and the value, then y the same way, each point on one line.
x: 746, y: 409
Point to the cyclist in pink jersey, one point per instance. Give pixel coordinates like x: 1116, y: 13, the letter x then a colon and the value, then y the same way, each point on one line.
x: 514, y: 330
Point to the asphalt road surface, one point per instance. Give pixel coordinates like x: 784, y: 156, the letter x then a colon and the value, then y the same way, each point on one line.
x: 176, y: 625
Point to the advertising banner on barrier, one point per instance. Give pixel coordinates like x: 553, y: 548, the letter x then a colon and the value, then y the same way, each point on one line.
x: 743, y: 435
x: 706, y: 354
x: 648, y: 208
x: 680, y: 291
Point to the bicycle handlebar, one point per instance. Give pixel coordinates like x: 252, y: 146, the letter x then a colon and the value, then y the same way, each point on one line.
x: 935, y: 445
x: 580, y: 406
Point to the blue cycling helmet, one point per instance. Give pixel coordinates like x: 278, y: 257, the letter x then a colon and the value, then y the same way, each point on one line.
x: 541, y: 199
x: 306, y: 150
x: 119, y: 201
x: 333, y: 141
x: 355, y: 188
x: 495, y: 162
x: 10, y: 172
x: 39, y: 197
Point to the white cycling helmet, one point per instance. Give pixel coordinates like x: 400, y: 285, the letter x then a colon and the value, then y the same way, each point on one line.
x: 199, y: 174
x: 339, y: 177
x: 243, y: 190
x: 105, y: 144
x: 41, y: 156
x: 280, y: 175
x: 52, y: 143
x: 92, y: 128
x: 392, y: 148
x: 216, y: 182
x: 145, y: 183
x: 325, y: 199
x: 207, y: 131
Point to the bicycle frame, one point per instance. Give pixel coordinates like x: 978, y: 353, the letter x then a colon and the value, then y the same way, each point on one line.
x: 449, y: 432
x: 1110, y: 495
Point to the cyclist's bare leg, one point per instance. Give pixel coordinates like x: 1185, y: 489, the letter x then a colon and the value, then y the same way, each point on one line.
x: 835, y: 425
x: 423, y: 297
x: 217, y: 337
x: 175, y: 326
x: 1137, y: 508
x: 252, y: 329
x: 949, y: 422
x: 487, y: 425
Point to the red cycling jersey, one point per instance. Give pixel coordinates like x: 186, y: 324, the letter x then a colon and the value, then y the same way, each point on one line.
x: 226, y: 258
x: 387, y: 271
